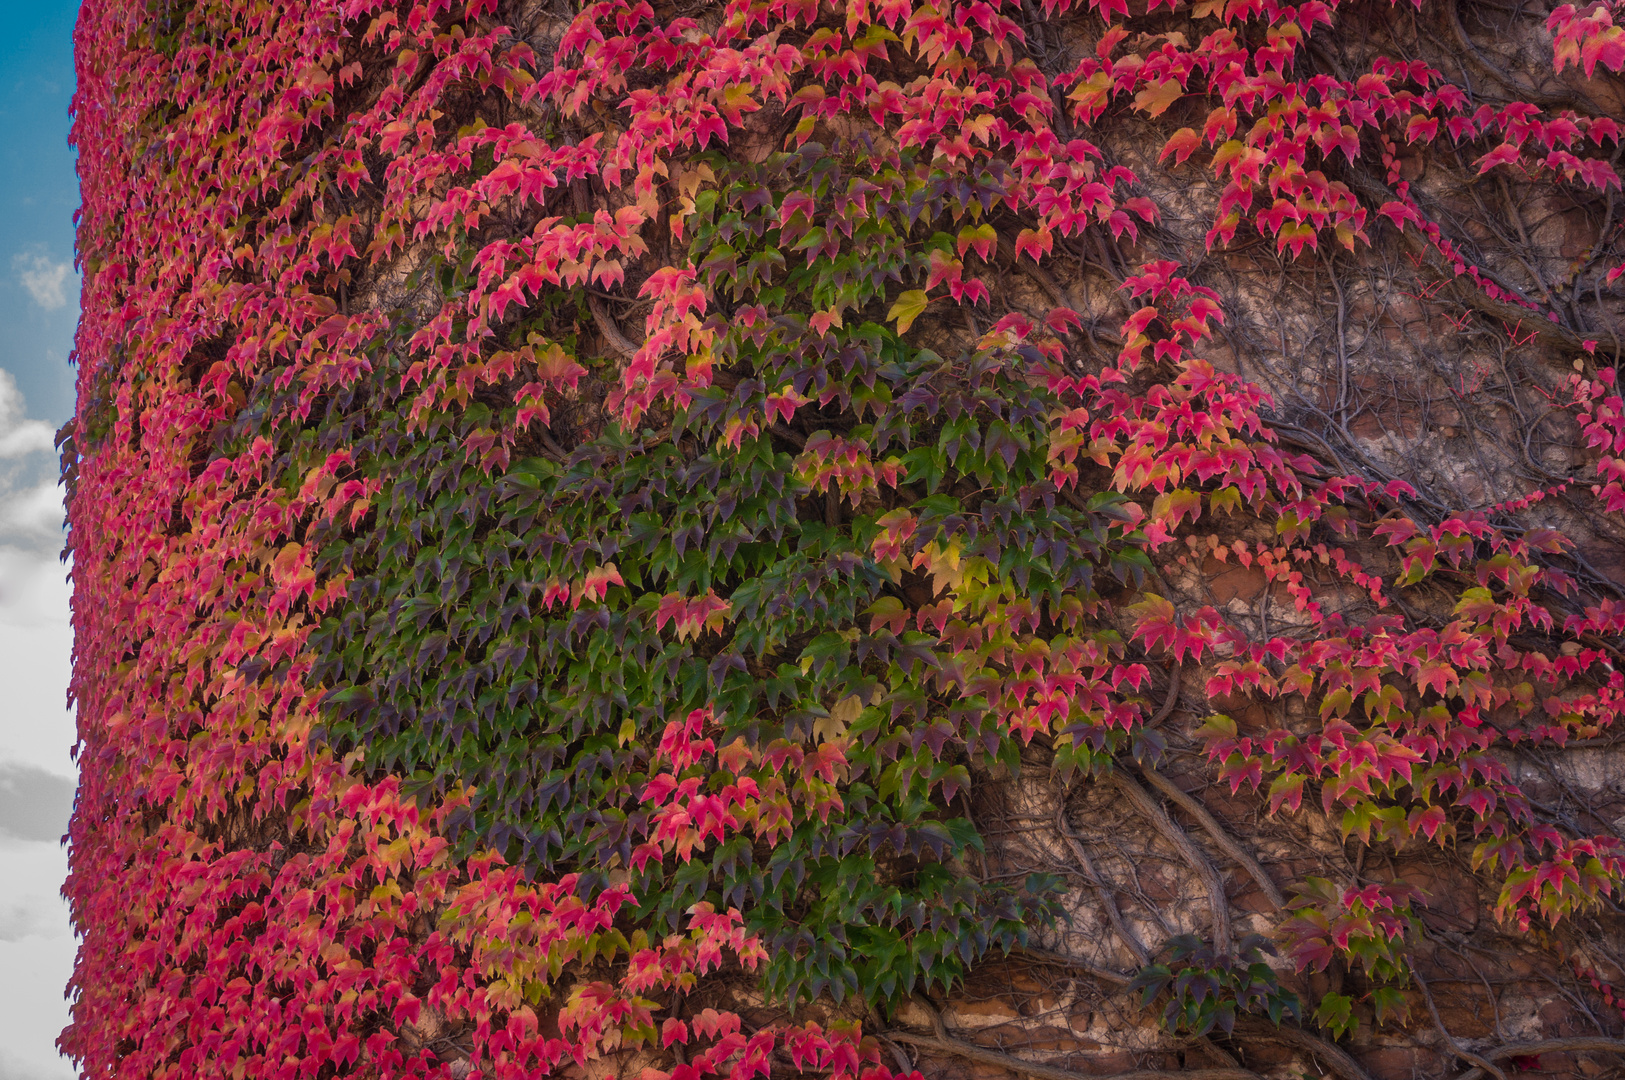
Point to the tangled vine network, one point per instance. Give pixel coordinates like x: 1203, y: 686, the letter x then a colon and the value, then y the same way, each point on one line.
x: 857, y: 538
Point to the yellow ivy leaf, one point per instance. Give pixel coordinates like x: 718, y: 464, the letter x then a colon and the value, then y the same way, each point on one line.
x: 907, y: 309
x: 844, y: 714
x: 1156, y: 99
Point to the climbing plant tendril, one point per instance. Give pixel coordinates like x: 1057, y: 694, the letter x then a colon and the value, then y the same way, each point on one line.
x: 612, y: 540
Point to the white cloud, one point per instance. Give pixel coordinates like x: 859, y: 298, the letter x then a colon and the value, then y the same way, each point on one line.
x: 20, y: 436
x: 37, y: 949
x: 44, y: 278
x: 19, y: 1068
x: 34, y: 802
x: 37, y: 945
x: 32, y: 917
x: 30, y: 499
x: 32, y: 516
x: 33, y: 618
x: 37, y: 732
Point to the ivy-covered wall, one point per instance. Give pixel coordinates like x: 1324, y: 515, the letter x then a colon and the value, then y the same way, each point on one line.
x: 772, y: 537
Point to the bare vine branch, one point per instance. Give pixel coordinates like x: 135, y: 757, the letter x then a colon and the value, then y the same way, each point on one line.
x: 1227, y: 843
x: 1194, y: 857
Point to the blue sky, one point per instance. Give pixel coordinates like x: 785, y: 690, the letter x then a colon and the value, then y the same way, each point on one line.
x: 38, y: 194
x: 39, y: 294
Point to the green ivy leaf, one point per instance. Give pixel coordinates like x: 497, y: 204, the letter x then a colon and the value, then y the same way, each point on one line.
x: 1336, y: 1014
